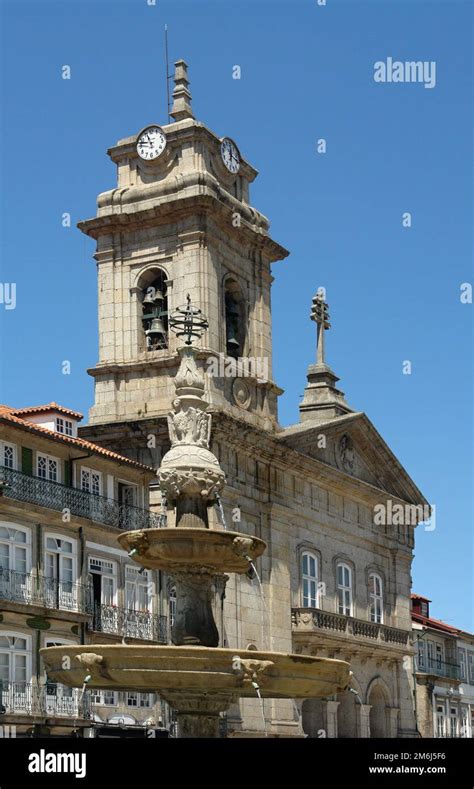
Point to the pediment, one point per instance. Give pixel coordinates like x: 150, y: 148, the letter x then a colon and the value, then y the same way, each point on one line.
x: 352, y: 445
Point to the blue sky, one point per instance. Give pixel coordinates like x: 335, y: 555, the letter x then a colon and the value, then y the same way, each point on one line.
x: 307, y: 73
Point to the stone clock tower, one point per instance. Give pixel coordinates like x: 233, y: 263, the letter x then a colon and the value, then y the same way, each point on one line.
x: 179, y: 221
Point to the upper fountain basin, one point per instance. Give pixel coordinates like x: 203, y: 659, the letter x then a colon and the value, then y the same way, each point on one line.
x: 182, y: 548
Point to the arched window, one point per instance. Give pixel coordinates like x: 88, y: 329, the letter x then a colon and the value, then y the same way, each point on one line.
x: 154, y: 309
x: 375, y: 598
x: 309, y: 580
x: 344, y: 589
x: 234, y: 320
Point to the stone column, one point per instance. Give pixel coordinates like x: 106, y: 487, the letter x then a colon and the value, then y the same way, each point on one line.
x: 393, y: 713
x: 331, y: 718
x: 364, y: 719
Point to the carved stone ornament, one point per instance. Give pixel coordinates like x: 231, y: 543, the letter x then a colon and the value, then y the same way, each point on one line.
x: 192, y: 426
x: 345, y: 454
x: 241, y: 393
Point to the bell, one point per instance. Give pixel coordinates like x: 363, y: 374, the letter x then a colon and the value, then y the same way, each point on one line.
x: 233, y: 345
x: 156, y: 327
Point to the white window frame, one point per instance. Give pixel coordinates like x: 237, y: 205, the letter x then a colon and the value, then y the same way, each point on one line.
x: 67, y: 425
x: 440, y: 718
x: 470, y: 667
x: 11, y: 543
x: 98, y: 697
x: 453, y: 719
x: 421, y: 655
x: 439, y: 656
x: 3, y: 446
x: 462, y: 664
x: 309, y: 600
x: 109, y: 564
x: 48, y: 458
x: 344, y: 599
x: 376, y: 600
x: 89, y: 472
x: 27, y: 652
x: 135, y: 579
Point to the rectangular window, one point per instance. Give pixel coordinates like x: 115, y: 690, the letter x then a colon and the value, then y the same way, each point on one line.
x: 64, y: 426
x: 462, y: 664
x: 439, y: 656
x: 453, y: 722
x: 47, y: 467
x: 440, y: 720
x: 470, y: 664
x: 139, y: 699
x: 421, y: 655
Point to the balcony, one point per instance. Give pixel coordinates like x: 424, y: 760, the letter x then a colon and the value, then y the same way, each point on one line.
x: 21, y: 487
x: 52, y: 700
x: 34, y: 589
x: 340, y: 629
x: 129, y: 623
x: 438, y: 668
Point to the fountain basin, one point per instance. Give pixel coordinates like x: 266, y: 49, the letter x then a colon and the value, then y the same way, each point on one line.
x: 170, y: 670
x: 215, y: 550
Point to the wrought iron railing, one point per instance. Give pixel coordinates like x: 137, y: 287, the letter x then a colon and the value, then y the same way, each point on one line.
x: 56, y: 496
x: 50, y: 699
x: 314, y: 619
x: 439, y: 668
x: 37, y: 589
x: 129, y: 623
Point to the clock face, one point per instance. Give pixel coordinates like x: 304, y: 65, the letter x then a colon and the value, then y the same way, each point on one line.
x: 151, y: 143
x: 230, y: 155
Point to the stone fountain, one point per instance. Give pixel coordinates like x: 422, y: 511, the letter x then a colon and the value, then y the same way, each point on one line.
x: 198, y: 679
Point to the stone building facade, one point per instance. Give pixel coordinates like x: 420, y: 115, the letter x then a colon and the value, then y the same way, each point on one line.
x: 336, y: 574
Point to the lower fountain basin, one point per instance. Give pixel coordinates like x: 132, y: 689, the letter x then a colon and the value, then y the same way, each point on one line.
x: 170, y: 670
x: 180, y: 547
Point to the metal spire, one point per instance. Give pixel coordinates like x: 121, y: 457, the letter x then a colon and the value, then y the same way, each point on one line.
x: 320, y: 314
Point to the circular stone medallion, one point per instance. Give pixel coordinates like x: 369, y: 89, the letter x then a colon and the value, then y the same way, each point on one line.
x: 241, y: 393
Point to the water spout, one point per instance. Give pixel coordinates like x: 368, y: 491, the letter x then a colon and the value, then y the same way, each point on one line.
x: 220, y: 510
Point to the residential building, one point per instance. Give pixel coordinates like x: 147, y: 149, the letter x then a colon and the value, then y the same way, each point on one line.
x: 63, y: 579
x: 443, y: 675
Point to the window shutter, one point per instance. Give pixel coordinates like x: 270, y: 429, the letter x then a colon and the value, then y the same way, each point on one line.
x: 67, y: 474
x: 27, y: 461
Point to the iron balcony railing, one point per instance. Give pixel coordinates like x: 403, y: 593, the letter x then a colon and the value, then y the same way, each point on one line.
x: 49, y: 700
x: 129, y: 623
x: 56, y: 496
x: 37, y: 589
x: 313, y: 619
x: 438, y: 668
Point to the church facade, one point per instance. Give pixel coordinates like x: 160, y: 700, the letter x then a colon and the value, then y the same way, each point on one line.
x: 335, y: 576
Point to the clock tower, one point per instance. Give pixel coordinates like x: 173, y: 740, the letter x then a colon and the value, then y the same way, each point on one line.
x: 179, y: 222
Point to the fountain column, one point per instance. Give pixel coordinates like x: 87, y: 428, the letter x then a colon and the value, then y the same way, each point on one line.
x: 190, y: 477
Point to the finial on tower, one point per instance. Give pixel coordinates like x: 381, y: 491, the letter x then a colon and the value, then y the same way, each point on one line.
x: 181, y: 96
x: 320, y: 314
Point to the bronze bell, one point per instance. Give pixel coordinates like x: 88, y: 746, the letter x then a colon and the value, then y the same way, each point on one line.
x: 156, y: 327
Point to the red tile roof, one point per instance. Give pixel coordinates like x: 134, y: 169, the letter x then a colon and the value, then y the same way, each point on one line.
x: 420, y: 597
x: 8, y: 416
x: 436, y: 624
x: 44, y: 409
